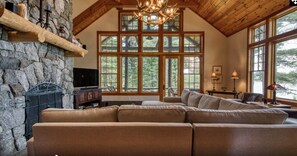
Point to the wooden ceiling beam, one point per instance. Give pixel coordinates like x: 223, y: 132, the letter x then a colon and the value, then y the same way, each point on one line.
x: 99, y: 8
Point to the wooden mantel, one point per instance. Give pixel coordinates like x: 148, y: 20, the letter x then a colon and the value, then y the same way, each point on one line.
x: 26, y: 31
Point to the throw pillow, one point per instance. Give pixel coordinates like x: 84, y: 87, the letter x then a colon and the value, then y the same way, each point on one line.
x: 209, y: 102
x: 185, y: 96
x: 194, y: 99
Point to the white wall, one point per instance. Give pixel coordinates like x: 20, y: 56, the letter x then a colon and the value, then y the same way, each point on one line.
x: 237, y: 59
x: 108, y: 22
x: 79, y: 6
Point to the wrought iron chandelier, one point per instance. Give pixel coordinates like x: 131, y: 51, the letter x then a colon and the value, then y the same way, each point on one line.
x: 155, y: 11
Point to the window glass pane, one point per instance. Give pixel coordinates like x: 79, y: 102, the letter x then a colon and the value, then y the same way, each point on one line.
x: 129, y: 23
x: 257, y: 69
x: 192, y: 73
x: 109, y: 43
x: 286, y: 23
x: 257, y: 82
x: 259, y: 33
x: 171, y: 76
x: 108, y: 73
x: 150, y: 74
x: 129, y: 74
x: 130, y: 43
x: 286, y: 68
x: 150, y: 43
x: 150, y: 27
x: 192, y: 43
x: 171, y: 44
x: 172, y: 25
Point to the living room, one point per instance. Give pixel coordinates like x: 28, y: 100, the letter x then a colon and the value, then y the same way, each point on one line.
x: 123, y: 61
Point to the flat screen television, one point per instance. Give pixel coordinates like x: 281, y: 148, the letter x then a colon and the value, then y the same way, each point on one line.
x: 85, y: 77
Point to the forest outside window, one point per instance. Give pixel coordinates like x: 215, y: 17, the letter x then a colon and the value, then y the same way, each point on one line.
x: 286, y: 68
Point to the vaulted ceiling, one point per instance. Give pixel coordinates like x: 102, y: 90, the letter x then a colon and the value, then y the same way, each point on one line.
x: 228, y: 16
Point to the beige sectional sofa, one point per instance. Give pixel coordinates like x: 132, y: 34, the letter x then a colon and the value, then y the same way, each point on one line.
x: 164, y: 130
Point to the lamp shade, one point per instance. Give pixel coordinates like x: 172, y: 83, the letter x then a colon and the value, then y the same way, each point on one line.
x: 213, y: 75
x: 235, y: 75
x: 275, y: 86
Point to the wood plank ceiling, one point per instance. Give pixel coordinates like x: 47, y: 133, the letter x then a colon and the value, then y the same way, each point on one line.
x: 228, y: 16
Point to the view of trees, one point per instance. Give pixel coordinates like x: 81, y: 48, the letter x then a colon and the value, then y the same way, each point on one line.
x: 286, y: 57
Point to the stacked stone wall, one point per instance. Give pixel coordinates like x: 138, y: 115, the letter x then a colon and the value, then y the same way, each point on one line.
x: 24, y: 65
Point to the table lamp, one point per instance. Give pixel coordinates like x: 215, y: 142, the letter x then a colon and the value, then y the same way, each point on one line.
x: 234, y: 77
x: 275, y: 87
x: 214, y: 78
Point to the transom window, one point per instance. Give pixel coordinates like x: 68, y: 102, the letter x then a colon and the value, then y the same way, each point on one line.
x: 149, y: 59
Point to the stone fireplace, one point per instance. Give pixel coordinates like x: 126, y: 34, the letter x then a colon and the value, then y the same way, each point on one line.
x: 23, y: 65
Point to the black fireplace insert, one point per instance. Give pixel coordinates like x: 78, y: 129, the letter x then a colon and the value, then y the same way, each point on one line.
x: 38, y: 98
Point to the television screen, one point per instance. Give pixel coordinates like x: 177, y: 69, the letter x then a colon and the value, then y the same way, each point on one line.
x: 85, y: 77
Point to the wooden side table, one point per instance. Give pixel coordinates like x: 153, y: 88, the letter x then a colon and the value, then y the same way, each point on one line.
x: 235, y: 94
x: 86, y: 97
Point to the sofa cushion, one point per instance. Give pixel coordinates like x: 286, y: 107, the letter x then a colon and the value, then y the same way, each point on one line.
x: 105, y: 114
x: 232, y: 105
x: 185, y: 96
x: 113, y: 139
x: 248, y: 116
x: 194, y: 99
x: 209, y: 102
x: 136, y: 113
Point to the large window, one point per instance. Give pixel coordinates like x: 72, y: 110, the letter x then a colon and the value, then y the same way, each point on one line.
x: 149, y: 59
x: 273, y: 55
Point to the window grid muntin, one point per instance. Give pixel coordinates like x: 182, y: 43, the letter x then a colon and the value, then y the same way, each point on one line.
x: 109, y: 43
x: 132, y: 78
x: 189, y: 46
x: 257, y: 68
x: 192, y: 73
x: 131, y: 41
x: 108, y: 66
x: 167, y: 40
x: 129, y: 22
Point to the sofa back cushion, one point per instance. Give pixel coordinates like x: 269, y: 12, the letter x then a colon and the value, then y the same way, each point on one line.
x: 233, y: 105
x: 136, y: 113
x: 185, y: 96
x: 194, y: 99
x: 209, y: 102
x: 105, y: 114
x: 248, y: 116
